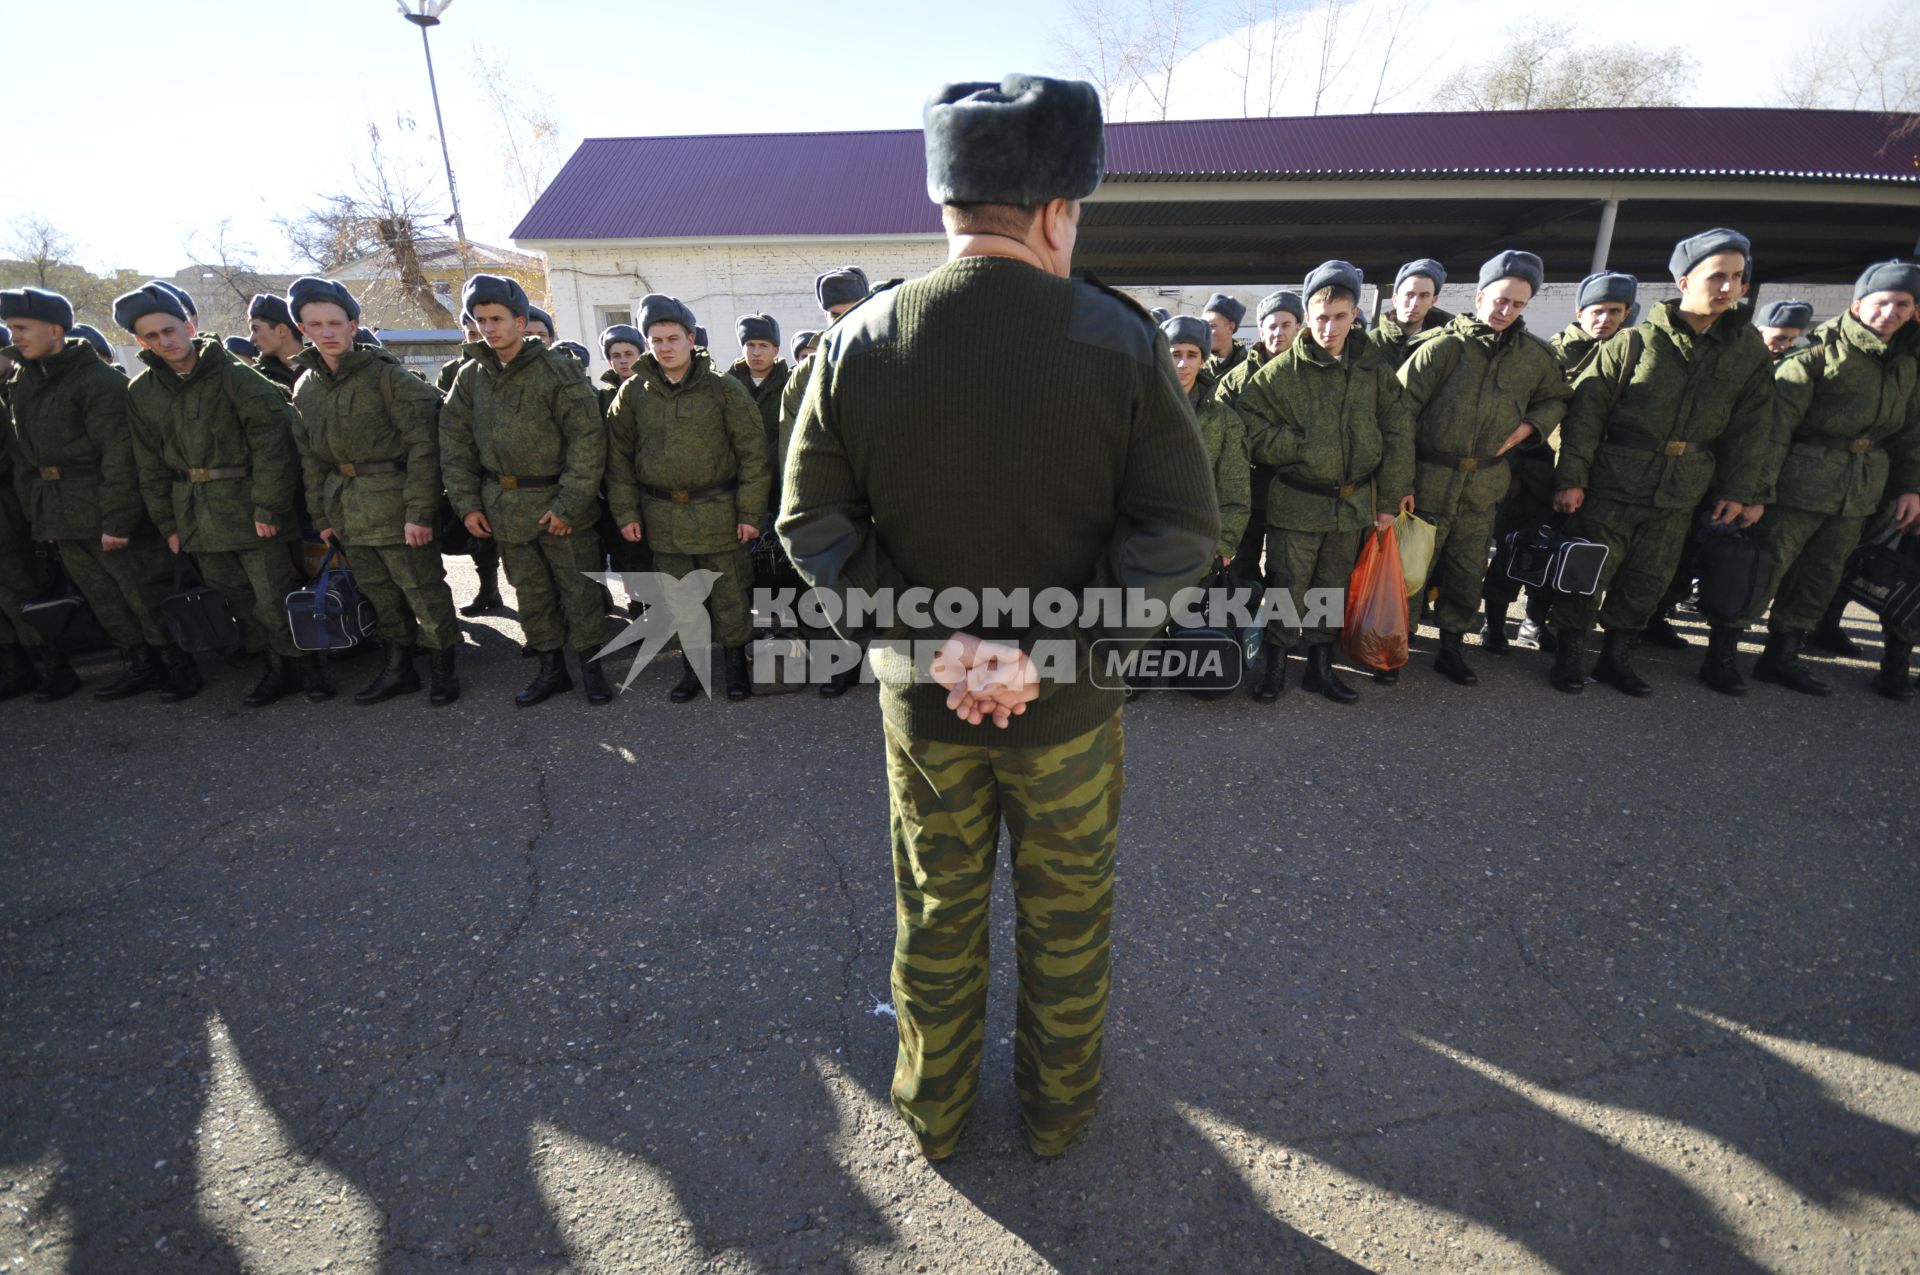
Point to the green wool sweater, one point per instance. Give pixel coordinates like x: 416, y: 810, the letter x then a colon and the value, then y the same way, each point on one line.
x: 992, y: 426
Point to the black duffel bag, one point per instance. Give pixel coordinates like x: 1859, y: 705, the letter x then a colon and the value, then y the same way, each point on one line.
x: 62, y: 614
x: 1545, y: 558
x: 329, y: 614
x: 1734, y: 566
x: 199, y: 617
x: 1883, y: 575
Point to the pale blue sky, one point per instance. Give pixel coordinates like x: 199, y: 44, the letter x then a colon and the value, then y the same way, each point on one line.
x: 171, y: 116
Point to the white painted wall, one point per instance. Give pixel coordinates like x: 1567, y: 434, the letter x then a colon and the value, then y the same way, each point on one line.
x: 724, y: 279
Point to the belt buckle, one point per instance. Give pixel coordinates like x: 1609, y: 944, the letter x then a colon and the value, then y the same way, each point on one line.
x: 508, y: 482
x: 1860, y: 446
x: 1469, y: 463
x: 51, y: 473
x: 1346, y: 490
x: 199, y: 475
x: 1675, y: 449
x: 348, y: 471
x: 681, y: 496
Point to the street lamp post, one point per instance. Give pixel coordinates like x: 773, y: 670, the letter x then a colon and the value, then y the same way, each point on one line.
x: 427, y: 15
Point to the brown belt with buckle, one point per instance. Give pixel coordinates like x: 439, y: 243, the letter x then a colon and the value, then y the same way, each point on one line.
x: 211, y: 475
x: 524, y: 482
x: 371, y: 469
x: 55, y: 473
x: 1856, y: 446
x: 1465, y: 464
x: 1339, y: 491
x: 1642, y: 443
x: 686, y: 495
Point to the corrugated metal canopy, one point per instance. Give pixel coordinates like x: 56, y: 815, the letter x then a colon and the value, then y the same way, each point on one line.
x: 874, y: 183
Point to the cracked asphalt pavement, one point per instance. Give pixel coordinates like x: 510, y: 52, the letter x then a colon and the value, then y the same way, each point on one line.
x: 1451, y: 980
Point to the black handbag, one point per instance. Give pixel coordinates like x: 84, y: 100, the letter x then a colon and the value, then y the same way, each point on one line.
x: 329, y: 614
x: 1544, y: 558
x: 62, y: 614
x: 199, y: 617
x: 1207, y: 660
x: 1883, y: 575
x: 1734, y: 566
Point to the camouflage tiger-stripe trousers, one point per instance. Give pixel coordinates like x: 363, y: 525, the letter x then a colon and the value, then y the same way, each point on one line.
x: 1061, y: 806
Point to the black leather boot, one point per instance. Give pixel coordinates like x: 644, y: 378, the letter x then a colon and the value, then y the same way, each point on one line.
x: 689, y: 683
x: 57, y: 678
x: 1721, y: 668
x: 315, y: 680
x: 183, y: 676
x: 1615, y: 665
x: 1569, y: 661
x: 1892, y: 681
x: 486, y: 564
x: 443, y: 686
x: 397, y: 677
x: 273, y: 684
x: 1321, y: 678
x: 1451, y: 664
x: 144, y: 672
x: 1493, y: 640
x: 1273, y: 673
x: 1661, y: 633
x: 16, y: 673
x: 1830, y: 636
x: 1780, y: 664
x: 593, y: 680
x: 548, y: 682
x: 739, y: 681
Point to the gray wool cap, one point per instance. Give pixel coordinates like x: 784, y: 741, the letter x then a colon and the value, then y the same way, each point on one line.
x: 1694, y: 249
x: 1426, y: 266
x: 1186, y: 329
x: 1606, y: 286
x: 495, y: 289
x: 185, y: 298
x: 1160, y: 314
x: 1889, y: 276
x: 622, y: 332
x: 1785, y: 313
x: 801, y: 340
x: 1513, y: 264
x: 149, y: 298
x: 658, y: 307
x: 36, y: 303
x: 1341, y: 276
x: 1231, y: 308
x: 757, y: 327
x: 310, y: 289
x: 1024, y: 141
x: 98, y: 340
x: 840, y: 287
x: 1284, y: 299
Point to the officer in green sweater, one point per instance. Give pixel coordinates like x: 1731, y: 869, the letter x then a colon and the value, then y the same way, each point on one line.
x: 688, y: 475
x: 1222, y: 315
x: 1601, y: 308
x: 1677, y: 409
x: 1410, y: 311
x: 213, y: 445
x: 1076, y: 464
x: 73, y: 463
x: 369, y: 453
x: 1479, y: 389
x: 1221, y: 432
x: 1278, y: 316
x: 1329, y: 416
x: 1846, y: 436
x: 524, y: 450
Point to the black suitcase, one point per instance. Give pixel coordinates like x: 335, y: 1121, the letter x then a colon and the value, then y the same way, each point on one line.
x: 1734, y: 566
x: 1883, y: 575
x: 199, y: 617
x: 329, y: 614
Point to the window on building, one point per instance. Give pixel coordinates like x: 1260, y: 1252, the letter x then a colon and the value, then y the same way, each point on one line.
x: 610, y: 315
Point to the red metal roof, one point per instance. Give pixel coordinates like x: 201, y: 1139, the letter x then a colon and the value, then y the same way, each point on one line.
x: 875, y: 183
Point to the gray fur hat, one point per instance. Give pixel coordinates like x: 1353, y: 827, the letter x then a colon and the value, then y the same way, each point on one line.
x: 1023, y: 141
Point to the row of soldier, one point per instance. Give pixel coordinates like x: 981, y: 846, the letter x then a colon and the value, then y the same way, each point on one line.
x: 1320, y: 431
x: 217, y: 449
x: 1707, y: 414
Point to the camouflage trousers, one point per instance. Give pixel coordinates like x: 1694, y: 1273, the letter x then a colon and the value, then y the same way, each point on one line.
x: 123, y: 586
x: 256, y: 582
x: 1644, y: 544
x: 408, y: 589
x: 1302, y: 560
x: 1809, y: 557
x: 558, y: 604
x: 727, y: 604
x: 1061, y: 805
x: 1460, y: 566
x: 17, y: 588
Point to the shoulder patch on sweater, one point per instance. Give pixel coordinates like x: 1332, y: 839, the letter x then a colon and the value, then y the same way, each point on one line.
x: 871, y: 323
x: 1111, y: 320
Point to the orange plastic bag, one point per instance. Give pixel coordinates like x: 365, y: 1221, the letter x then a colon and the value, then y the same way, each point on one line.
x: 1376, y: 629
